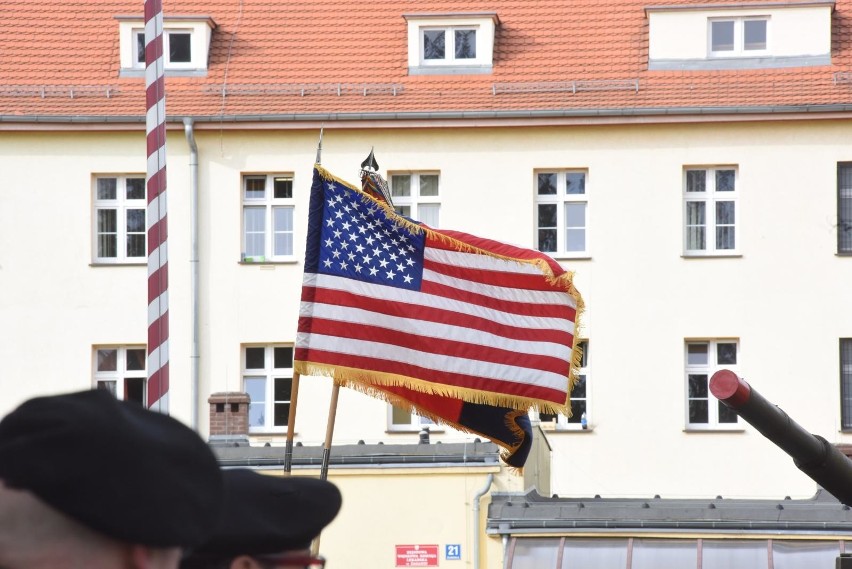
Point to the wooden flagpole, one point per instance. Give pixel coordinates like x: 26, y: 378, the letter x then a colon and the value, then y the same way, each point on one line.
x: 294, y: 388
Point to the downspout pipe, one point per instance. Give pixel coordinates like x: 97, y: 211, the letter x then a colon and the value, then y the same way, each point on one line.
x: 195, y: 375
x: 478, y: 496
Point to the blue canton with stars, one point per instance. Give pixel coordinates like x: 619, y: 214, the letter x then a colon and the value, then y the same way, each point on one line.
x: 360, y: 241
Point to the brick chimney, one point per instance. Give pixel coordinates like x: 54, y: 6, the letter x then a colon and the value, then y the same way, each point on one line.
x: 229, y: 417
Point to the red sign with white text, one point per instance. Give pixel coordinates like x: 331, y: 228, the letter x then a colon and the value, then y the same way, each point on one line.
x: 416, y: 555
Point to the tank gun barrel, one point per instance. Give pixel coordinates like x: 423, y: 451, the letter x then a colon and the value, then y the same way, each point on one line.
x: 812, y: 454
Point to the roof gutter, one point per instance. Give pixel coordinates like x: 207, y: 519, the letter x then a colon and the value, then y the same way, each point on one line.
x: 218, y: 120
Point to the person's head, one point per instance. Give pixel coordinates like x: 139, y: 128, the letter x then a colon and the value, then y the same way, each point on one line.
x: 92, y: 482
x: 267, y: 522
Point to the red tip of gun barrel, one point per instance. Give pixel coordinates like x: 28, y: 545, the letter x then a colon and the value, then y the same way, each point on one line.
x: 728, y: 388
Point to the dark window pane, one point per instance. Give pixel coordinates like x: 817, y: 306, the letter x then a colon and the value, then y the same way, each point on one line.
x: 107, y: 221
x: 547, y: 215
x: 136, y: 245
x: 580, y: 388
x: 282, y: 414
x: 140, y: 47
x: 844, y: 208
x: 696, y: 180
x: 846, y: 382
x: 283, y: 188
x: 577, y: 410
x: 465, y: 44
x: 180, y: 50
x: 283, y: 387
x: 547, y: 184
x: 134, y: 390
x: 725, y: 180
x: 698, y: 412
x: 107, y: 386
x: 135, y: 220
x: 725, y: 238
x: 107, y: 246
x: 723, y: 36
x: 283, y: 357
x: 255, y: 358
x: 726, y: 353
x: 401, y: 185
x: 584, y: 349
x: 107, y: 188
x: 135, y: 188
x: 136, y: 359
x: 726, y: 414
x: 433, y: 44
x: 255, y: 188
x: 547, y: 240
x: 575, y: 183
x: 107, y: 360
x: 725, y: 213
x: 546, y: 417
x: 696, y: 354
x: 697, y: 385
x: 755, y: 34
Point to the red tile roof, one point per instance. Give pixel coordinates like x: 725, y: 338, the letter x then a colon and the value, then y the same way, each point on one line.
x: 262, y: 50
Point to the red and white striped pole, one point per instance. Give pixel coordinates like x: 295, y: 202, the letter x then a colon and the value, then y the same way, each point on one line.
x: 158, y: 267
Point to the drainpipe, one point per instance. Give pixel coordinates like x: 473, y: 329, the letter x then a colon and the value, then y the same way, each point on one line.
x: 193, y: 262
x: 476, y: 499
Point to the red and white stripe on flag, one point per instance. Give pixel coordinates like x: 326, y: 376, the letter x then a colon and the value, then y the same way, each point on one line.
x: 448, y: 313
x: 158, y: 268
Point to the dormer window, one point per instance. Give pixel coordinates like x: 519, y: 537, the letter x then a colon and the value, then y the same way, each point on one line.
x: 450, y: 43
x: 186, y: 43
x: 744, y: 35
x: 738, y: 36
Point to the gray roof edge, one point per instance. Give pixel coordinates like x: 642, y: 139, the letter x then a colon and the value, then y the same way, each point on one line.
x: 434, y: 115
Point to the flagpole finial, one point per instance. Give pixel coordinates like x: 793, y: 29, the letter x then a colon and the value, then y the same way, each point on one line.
x: 370, y: 163
x: 319, y: 147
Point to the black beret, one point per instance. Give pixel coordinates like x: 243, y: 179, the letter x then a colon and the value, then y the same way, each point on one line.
x: 129, y: 473
x: 269, y: 514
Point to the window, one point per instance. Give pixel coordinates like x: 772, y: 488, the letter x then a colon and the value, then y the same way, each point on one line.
x: 119, y: 219
x: 703, y: 359
x: 846, y: 383
x: 268, y: 381
x: 447, y: 45
x: 561, y: 212
x: 186, y: 42
x: 844, y: 208
x: 401, y: 420
x: 579, y: 418
x: 267, y: 218
x: 121, y: 371
x: 738, y: 36
x: 415, y: 195
x: 451, y: 43
x: 710, y: 200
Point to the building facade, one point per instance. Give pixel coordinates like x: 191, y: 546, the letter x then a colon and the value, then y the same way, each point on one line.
x: 690, y: 162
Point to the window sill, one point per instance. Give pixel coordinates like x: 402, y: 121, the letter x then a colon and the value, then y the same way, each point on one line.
x: 550, y: 428
x: 450, y: 70
x: 711, y: 256
x: 714, y: 429
x: 292, y: 261
x: 569, y: 256
x: 140, y: 72
x: 412, y: 430
x: 119, y: 264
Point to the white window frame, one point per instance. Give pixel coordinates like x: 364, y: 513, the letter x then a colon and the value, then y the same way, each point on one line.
x: 200, y: 30
x: 449, y: 46
x: 710, y: 197
x: 269, y: 373
x: 714, y: 406
x: 120, y: 204
x: 115, y: 380
x: 416, y: 203
x: 562, y: 422
x: 562, y: 200
x: 739, y: 49
x: 269, y: 203
x: 483, y: 23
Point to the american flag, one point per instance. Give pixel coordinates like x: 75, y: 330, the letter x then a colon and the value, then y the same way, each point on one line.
x: 388, y: 302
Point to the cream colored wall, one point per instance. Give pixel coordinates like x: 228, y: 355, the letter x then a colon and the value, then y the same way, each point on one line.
x: 385, y: 507
x: 682, y: 34
x: 643, y: 297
